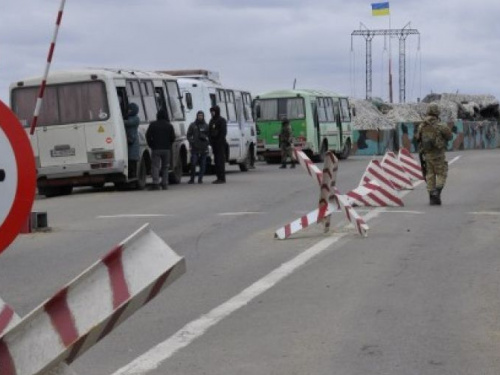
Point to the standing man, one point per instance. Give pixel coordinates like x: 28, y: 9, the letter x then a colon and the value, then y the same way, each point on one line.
x: 131, y: 122
x: 217, y: 134
x: 197, y: 136
x: 286, y: 143
x: 160, y: 136
x: 432, y: 137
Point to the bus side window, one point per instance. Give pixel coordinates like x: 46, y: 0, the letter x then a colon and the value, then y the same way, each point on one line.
x: 161, y: 101
x: 189, y: 100
x: 213, y: 100
x: 122, y: 98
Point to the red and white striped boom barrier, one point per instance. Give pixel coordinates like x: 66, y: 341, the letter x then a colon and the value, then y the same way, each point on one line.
x: 91, y: 306
x: 41, y: 92
x: 328, y: 195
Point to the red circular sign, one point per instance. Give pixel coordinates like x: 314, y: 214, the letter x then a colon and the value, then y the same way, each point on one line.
x: 109, y: 140
x: 17, y: 177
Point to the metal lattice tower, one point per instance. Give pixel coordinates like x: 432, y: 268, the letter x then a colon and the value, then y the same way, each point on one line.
x: 401, y: 34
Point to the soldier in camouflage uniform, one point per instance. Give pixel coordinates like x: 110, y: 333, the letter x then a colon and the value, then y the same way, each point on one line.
x: 432, y: 137
x: 286, y: 143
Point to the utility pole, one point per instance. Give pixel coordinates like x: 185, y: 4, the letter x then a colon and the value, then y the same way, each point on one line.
x: 401, y: 34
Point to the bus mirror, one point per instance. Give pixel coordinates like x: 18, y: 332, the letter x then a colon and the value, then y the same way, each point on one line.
x: 353, y: 109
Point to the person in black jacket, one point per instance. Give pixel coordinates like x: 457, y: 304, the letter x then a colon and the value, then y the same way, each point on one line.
x: 217, y: 133
x: 197, y: 135
x: 160, y: 136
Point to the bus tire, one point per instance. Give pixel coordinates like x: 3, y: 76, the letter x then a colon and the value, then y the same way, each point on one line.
x: 175, y: 176
x: 346, y: 151
x: 245, y: 166
x: 320, y: 158
x: 142, y: 174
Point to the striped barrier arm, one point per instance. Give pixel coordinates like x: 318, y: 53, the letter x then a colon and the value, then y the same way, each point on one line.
x: 305, y: 221
x: 308, y: 165
x: 38, y: 105
x: 353, y: 217
x: 91, y: 306
x: 397, y: 174
x: 410, y: 165
x: 328, y: 181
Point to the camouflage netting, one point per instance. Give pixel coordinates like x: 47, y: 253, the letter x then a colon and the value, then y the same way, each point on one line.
x: 376, y: 114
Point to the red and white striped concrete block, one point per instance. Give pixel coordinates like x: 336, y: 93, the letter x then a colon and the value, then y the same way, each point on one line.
x: 308, y: 165
x: 372, y: 194
x: 8, y: 319
x: 41, y: 91
x: 374, y: 171
x: 353, y: 217
x: 395, y: 171
x: 91, y: 306
x: 410, y: 165
x: 305, y: 221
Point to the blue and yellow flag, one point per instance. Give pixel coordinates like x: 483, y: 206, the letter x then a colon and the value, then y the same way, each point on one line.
x: 380, y: 9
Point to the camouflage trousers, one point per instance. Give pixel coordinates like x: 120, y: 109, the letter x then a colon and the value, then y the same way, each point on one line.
x: 437, y: 171
x: 286, y: 152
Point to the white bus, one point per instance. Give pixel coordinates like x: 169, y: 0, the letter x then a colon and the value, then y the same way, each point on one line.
x: 201, y: 90
x: 80, y: 138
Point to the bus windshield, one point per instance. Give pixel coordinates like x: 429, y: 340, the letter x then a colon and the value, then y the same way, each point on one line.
x: 277, y: 109
x: 62, y: 104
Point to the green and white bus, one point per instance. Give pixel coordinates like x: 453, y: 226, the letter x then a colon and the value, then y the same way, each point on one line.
x: 320, y: 121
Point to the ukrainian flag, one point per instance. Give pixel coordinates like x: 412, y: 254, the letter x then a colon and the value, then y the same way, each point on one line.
x: 380, y: 9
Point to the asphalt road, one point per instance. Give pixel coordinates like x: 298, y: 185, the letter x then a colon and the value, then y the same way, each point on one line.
x: 420, y: 295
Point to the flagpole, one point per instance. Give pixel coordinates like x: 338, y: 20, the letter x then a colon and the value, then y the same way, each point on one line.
x: 390, y: 62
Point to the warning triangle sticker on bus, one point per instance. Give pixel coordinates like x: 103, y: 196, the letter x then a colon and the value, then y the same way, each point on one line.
x: 101, y: 129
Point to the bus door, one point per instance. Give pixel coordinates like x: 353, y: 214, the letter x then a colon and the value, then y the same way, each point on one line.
x: 317, y: 129
x: 226, y: 102
x: 338, y: 121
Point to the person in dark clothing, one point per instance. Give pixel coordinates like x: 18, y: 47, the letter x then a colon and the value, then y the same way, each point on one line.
x: 131, y: 122
x: 160, y: 136
x: 217, y: 134
x: 197, y: 136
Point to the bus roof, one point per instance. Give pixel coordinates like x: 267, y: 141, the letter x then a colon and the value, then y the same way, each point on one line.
x: 75, y: 75
x: 293, y: 93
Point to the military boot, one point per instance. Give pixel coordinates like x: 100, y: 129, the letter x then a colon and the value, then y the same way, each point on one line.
x: 433, y: 198
x: 438, y: 195
x: 283, y: 166
x: 293, y: 164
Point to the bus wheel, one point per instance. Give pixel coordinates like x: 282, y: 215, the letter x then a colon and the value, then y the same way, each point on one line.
x: 346, y: 151
x: 245, y: 166
x: 141, y: 175
x: 321, y: 156
x: 176, y: 175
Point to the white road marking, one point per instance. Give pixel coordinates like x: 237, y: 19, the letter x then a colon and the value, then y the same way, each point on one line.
x: 154, y: 357
x: 132, y: 216
x: 491, y: 213
x: 240, y: 213
x: 402, y: 212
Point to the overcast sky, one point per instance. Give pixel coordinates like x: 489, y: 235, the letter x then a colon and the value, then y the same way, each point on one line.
x: 260, y: 45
